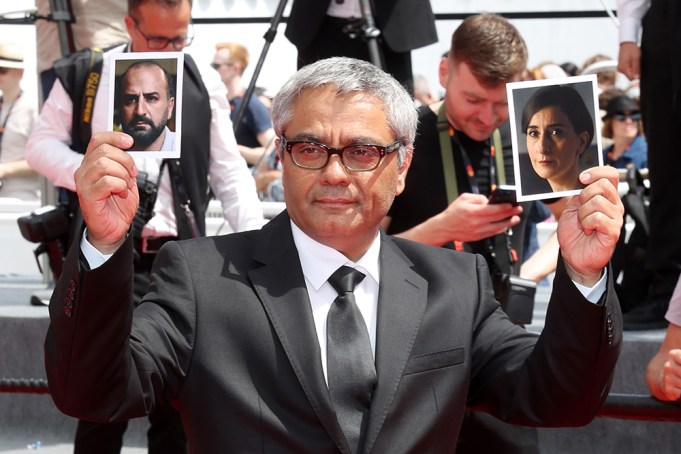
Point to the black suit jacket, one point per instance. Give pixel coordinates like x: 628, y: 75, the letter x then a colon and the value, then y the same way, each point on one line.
x: 227, y: 334
x: 404, y: 24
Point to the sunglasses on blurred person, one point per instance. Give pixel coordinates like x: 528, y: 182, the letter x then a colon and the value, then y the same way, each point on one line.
x: 622, y: 116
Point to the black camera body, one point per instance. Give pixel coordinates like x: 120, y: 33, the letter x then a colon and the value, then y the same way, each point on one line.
x: 49, y: 226
x: 516, y: 296
x: 45, y: 224
x: 148, y: 191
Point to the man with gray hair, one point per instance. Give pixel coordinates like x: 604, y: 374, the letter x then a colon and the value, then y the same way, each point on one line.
x: 319, y: 333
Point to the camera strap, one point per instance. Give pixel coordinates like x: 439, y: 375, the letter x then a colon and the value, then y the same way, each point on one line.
x: 148, y: 193
x: 446, y: 135
x: 87, y: 108
x: 497, y: 176
x: 5, y: 112
x: 186, y: 221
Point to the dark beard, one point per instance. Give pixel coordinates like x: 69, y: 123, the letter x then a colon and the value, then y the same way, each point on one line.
x: 142, y: 137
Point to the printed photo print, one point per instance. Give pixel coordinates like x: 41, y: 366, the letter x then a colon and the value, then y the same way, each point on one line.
x: 145, y: 101
x: 555, y: 135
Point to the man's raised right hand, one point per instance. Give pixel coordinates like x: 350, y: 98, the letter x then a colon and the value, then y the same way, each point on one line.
x: 106, y: 183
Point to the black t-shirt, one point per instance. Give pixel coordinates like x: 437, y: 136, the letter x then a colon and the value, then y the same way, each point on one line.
x: 425, y: 194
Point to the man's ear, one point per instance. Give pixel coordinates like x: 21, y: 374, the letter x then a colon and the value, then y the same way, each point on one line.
x: 130, y: 25
x: 402, y: 172
x: 443, y: 72
x: 277, y: 142
x: 171, y: 107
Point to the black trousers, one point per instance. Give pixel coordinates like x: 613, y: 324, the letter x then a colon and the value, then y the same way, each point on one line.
x: 332, y: 41
x: 660, y: 50
x: 165, y: 435
x: 483, y: 433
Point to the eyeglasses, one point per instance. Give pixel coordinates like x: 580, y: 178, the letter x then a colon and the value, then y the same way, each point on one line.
x: 161, y: 42
x: 217, y: 65
x: 355, y: 158
x: 621, y: 116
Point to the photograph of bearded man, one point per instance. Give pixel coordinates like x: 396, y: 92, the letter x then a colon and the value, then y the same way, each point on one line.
x: 145, y: 105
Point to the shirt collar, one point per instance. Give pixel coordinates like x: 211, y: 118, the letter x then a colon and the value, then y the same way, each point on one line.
x: 319, y: 261
x: 168, y: 141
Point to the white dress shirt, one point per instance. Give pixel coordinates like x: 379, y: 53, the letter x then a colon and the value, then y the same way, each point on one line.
x: 630, y: 13
x: 319, y: 262
x: 674, y: 310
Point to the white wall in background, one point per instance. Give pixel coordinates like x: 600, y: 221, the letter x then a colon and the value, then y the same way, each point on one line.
x: 555, y: 39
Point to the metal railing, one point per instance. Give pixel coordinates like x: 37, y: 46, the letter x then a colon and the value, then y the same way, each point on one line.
x: 641, y: 407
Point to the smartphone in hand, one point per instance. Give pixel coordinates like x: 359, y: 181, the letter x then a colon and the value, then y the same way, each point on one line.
x: 504, y: 193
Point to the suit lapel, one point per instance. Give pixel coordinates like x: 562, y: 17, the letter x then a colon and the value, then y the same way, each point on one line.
x: 280, y: 284
x: 401, y: 305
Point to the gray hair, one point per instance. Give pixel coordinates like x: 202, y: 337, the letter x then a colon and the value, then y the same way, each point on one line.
x: 349, y: 75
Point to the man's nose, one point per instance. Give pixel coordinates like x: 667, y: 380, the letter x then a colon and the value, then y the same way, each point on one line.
x: 335, y: 172
x: 141, y: 106
x: 487, y: 115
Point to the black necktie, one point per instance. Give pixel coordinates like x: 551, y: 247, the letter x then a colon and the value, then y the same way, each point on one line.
x: 350, y: 364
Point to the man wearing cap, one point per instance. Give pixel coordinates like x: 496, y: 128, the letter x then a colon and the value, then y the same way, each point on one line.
x: 18, y: 113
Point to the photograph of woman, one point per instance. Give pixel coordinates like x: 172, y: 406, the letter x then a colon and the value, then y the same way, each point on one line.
x: 554, y: 135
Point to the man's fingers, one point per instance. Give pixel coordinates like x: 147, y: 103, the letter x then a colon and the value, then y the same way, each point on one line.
x: 600, y: 206
x: 106, y: 170
x: 116, y: 139
x: 629, y: 60
x: 594, y: 174
x: 105, y: 157
x: 671, y: 380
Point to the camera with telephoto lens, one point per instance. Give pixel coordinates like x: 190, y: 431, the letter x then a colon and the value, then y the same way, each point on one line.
x: 516, y: 296
x: 45, y: 224
x: 48, y: 226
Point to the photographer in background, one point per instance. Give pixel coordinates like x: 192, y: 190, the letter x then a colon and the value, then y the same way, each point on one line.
x: 174, y: 193
x: 486, y: 52
x: 18, y: 113
x: 337, y: 28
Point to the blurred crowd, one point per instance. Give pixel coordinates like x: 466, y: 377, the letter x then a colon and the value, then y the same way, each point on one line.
x: 237, y: 139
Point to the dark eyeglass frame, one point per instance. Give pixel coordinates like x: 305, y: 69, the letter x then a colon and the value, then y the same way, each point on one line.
x: 161, y: 42
x: 382, y: 152
x: 621, y: 116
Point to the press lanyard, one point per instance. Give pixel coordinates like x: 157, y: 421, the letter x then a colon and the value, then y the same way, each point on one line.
x: 496, y: 167
x: 497, y: 174
x: 9, y: 111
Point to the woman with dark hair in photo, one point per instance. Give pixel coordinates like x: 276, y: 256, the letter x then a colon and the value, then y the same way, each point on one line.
x: 559, y: 129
